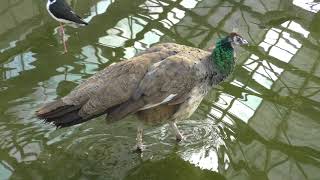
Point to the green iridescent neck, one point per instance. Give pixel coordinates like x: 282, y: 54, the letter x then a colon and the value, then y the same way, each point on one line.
x: 222, y: 56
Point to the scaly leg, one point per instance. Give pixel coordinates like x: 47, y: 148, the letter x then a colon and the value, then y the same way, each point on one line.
x: 179, y: 136
x: 64, y: 43
x: 139, y: 145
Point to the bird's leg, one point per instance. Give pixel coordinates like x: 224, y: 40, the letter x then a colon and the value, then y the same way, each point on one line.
x: 139, y: 145
x: 179, y: 136
x: 64, y: 43
x: 61, y: 29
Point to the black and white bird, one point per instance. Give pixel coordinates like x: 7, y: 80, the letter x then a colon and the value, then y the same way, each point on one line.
x: 62, y: 12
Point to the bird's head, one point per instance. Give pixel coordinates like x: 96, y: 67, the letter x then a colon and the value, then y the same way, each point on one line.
x: 223, y: 54
x: 236, y: 39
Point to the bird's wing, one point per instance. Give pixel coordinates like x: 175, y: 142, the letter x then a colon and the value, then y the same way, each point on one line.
x: 61, y: 10
x: 113, y: 85
x: 113, y: 74
x: 168, y: 80
x: 165, y: 82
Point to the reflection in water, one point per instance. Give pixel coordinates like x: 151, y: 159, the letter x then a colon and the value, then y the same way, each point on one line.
x: 260, y: 124
x: 19, y: 64
x: 309, y: 5
x: 99, y: 8
x: 5, y: 169
x: 13, y: 16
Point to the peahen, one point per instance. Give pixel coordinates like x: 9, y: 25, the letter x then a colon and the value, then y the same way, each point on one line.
x: 166, y: 83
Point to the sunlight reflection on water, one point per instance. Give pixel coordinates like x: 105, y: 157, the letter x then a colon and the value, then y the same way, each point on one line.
x: 258, y: 123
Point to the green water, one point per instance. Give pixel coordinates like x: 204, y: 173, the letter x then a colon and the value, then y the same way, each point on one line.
x: 262, y: 123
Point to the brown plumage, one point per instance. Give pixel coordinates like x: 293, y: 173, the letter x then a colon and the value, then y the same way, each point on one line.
x: 165, y: 83
x: 117, y: 90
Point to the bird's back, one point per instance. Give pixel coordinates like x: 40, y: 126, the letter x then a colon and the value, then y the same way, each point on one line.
x: 170, y: 89
x: 61, y: 11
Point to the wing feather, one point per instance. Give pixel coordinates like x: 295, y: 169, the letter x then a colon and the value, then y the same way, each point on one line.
x: 61, y: 10
x: 113, y: 85
x: 176, y: 75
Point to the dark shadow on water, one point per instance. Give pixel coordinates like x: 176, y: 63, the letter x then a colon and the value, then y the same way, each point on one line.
x: 172, y: 167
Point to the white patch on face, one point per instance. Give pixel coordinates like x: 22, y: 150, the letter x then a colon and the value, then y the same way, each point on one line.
x: 238, y: 40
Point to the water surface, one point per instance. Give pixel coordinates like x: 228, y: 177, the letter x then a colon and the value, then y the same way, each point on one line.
x: 262, y: 123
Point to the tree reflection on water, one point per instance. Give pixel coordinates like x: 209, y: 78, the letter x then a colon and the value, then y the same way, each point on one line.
x: 262, y: 123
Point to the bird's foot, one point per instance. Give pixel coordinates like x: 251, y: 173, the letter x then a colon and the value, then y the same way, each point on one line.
x: 139, y: 148
x: 61, y: 33
x: 61, y: 30
x: 63, y: 52
x: 179, y: 137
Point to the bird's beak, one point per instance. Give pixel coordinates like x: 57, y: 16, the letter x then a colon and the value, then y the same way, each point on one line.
x: 244, y: 42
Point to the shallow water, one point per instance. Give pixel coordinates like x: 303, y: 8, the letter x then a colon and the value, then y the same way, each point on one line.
x: 262, y: 123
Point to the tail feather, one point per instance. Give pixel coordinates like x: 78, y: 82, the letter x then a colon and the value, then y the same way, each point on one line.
x: 51, y: 108
x: 61, y: 114
x: 66, y: 120
x: 72, y: 119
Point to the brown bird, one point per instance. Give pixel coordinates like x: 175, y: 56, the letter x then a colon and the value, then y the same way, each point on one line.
x: 166, y: 83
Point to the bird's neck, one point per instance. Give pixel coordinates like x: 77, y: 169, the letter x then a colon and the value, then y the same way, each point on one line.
x: 223, y: 56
